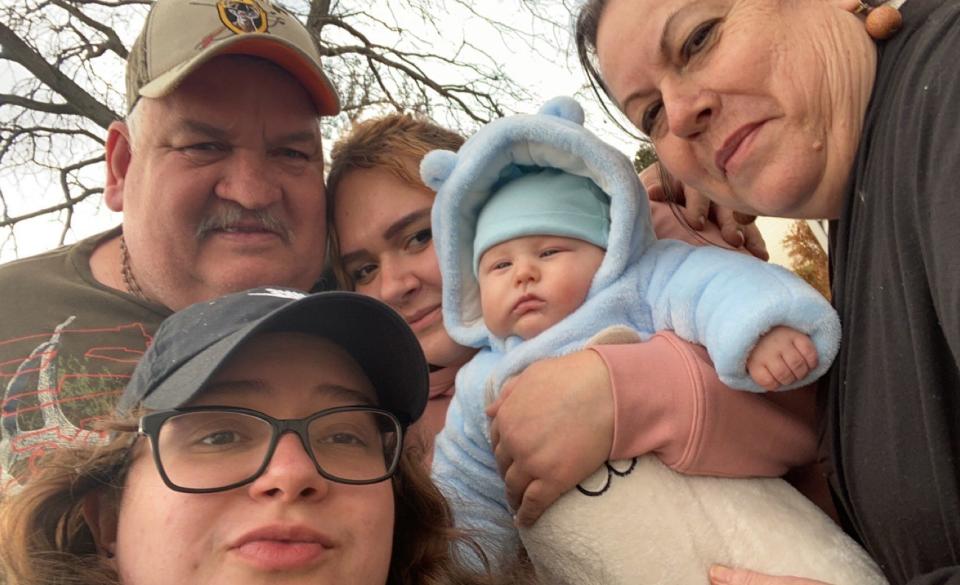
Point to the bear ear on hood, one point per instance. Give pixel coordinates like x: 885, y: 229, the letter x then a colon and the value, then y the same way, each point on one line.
x: 436, y: 167
x: 565, y: 108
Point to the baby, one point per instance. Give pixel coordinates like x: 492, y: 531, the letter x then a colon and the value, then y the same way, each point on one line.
x: 545, y: 244
x: 540, y: 239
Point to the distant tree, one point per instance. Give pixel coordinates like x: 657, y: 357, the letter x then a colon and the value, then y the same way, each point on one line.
x: 61, y: 80
x: 807, y: 258
x: 646, y: 155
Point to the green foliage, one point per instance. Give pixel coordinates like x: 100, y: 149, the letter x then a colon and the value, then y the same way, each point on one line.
x: 646, y: 156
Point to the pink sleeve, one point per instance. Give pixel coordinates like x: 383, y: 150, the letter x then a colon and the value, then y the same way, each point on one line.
x: 669, y: 401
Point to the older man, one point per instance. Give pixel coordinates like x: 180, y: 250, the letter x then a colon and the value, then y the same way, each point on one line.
x: 218, y: 170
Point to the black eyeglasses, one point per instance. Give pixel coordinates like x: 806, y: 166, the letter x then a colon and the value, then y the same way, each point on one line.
x: 216, y: 448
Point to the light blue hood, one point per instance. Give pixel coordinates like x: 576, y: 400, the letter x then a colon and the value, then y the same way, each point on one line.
x: 553, y: 138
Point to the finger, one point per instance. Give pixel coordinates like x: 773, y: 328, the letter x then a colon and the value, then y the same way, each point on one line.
x: 808, y: 350
x: 516, y: 481
x: 732, y: 231
x: 507, y: 388
x: 494, y: 407
x: 538, y: 496
x: 503, y: 457
x: 653, y: 183
x: 797, y: 364
x: 754, y: 242
x: 720, y: 575
x: 696, y: 207
x: 744, y: 218
x: 762, y: 376
x: 733, y: 234
x: 494, y: 434
x: 781, y: 371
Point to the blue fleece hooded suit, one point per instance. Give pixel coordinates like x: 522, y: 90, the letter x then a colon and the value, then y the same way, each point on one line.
x: 717, y: 298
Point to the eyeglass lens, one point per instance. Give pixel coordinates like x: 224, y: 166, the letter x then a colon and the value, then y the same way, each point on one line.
x: 211, y: 449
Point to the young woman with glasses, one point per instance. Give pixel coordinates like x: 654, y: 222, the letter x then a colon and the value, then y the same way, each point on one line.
x: 259, y: 441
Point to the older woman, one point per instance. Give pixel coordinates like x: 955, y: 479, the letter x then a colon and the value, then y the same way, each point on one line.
x: 268, y: 450
x: 792, y: 109
x: 558, y: 421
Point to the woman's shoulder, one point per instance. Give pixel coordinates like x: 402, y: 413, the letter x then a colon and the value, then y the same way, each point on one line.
x: 922, y: 54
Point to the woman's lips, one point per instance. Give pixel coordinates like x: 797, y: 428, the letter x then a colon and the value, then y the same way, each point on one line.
x: 423, y: 318
x: 735, y: 142
x: 277, y: 548
x: 279, y: 555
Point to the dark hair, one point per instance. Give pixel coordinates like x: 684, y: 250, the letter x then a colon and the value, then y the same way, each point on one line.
x: 585, y: 36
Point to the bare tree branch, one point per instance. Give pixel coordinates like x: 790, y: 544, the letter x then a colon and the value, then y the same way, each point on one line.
x: 84, y: 103
x: 50, y: 108
x: 67, y: 204
x: 61, y: 82
x: 113, y: 41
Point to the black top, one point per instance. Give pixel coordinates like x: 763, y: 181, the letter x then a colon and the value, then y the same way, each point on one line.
x: 891, y: 404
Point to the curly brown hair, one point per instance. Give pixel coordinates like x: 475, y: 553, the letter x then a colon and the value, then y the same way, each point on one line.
x: 393, y: 142
x: 47, y: 540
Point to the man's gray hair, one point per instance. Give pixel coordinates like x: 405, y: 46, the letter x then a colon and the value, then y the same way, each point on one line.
x: 133, y: 122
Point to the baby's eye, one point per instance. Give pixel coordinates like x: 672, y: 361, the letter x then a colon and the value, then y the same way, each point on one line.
x: 550, y: 252
x: 501, y: 265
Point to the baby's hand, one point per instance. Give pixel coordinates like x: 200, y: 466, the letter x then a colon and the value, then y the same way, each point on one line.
x: 781, y: 357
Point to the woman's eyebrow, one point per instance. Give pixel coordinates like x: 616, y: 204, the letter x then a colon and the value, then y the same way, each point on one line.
x: 668, y: 31
x: 344, y: 393
x: 404, y: 222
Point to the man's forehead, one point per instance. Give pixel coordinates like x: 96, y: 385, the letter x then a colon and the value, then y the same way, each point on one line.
x: 212, y: 102
x: 226, y: 79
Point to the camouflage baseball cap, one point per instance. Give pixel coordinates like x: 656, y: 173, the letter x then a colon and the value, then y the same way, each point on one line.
x: 181, y: 35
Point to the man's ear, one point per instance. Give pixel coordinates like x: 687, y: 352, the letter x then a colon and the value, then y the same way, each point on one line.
x: 101, y: 517
x: 118, y: 157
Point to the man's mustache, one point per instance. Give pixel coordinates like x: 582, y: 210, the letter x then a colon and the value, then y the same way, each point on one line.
x: 231, y: 216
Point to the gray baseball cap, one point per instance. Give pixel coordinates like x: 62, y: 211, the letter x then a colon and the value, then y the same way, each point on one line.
x: 180, y: 35
x: 193, y: 344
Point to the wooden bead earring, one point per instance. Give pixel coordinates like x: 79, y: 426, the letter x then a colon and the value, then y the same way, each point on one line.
x: 882, y: 21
